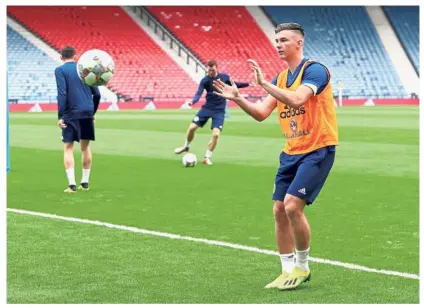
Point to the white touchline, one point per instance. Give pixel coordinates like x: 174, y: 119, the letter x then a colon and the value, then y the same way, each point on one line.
x: 212, y: 242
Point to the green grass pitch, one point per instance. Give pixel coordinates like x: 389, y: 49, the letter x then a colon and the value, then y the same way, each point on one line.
x: 367, y: 213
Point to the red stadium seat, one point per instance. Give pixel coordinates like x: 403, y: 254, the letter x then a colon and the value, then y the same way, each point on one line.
x: 138, y: 59
x: 228, y: 34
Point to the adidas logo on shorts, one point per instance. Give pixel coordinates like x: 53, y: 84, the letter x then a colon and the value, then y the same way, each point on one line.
x: 302, y: 191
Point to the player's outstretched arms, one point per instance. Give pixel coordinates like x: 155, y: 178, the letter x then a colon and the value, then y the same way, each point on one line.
x: 294, y: 99
x: 257, y: 111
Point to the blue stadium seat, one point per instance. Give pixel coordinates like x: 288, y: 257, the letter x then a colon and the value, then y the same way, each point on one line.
x: 405, y: 22
x: 30, y: 70
x: 344, y: 39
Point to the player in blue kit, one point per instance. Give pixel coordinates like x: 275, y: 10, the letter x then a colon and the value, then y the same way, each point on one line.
x: 214, y: 109
x: 77, y: 104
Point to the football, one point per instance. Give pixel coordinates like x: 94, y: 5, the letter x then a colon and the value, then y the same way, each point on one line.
x: 189, y: 160
x: 95, y: 67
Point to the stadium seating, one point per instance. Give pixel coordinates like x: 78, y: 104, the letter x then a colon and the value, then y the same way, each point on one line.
x: 344, y: 39
x: 405, y: 22
x: 228, y: 34
x: 142, y: 67
x: 30, y: 71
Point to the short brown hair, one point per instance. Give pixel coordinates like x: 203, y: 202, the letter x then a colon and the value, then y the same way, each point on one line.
x: 68, y: 52
x: 212, y: 62
x: 290, y: 26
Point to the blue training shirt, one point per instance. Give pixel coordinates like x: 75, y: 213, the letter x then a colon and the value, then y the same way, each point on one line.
x: 75, y: 99
x: 214, y: 102
x: 314, y: 74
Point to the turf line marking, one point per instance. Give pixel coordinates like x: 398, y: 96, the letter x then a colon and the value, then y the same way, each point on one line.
x: 212, y: 242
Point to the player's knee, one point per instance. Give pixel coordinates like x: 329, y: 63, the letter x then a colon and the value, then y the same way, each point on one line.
x: 216, y: 132
x: 293, y: 206
x: 278, y: 208
x: 192, y: 128
x: 68, y: 146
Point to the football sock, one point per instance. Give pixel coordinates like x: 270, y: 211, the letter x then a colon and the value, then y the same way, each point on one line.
x: 70, y: 173
x: 85, y: 175
x: 287, y: 262
x: 302, y: 259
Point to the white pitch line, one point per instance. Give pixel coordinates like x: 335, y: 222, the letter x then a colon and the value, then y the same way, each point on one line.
x: 212, y: 242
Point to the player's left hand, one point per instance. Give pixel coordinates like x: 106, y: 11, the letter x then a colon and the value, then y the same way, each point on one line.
x: 61, y: 123
x: 259, y: 76
x: 226, y: 91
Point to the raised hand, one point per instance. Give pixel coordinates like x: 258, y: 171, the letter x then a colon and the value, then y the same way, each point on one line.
x: 259, y: 76
x: 226, y: 91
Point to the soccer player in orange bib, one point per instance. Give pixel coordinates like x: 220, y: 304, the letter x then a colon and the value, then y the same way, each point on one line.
x: 303, y: 97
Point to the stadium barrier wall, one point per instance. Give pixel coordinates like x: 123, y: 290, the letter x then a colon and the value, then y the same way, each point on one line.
x: 21, y: 107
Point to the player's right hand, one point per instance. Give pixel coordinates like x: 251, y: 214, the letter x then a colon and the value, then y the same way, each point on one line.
x: 61, y: 123
x: 259, y: 75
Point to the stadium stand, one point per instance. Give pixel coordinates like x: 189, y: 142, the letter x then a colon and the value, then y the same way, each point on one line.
x: 345, y: 40
x: 405, y: 22
x: 228, y: 34
x: 30, y: 71
x: 143, y: 69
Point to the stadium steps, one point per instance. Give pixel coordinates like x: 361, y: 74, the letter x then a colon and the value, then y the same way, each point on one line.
x: 263, y: 22
x: 395, y: 50
x: 405, y: 23
x: 183, y: 56
x: 228, y: 34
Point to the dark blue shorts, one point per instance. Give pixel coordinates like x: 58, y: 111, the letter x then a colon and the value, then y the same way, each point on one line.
x: 204, y: 115
x: 78, y: 129
x: 303, y: 175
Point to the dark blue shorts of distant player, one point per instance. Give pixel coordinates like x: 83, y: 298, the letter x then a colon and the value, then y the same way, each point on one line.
x: 204, y: 115
x: 303, y: 175
x: 76, y: 130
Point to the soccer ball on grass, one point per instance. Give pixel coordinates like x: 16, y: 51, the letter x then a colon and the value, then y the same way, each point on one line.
x: 189, y: 160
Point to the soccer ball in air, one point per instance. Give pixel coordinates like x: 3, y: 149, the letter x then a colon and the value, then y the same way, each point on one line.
x: 95, y: 67
x: 189, y: 160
